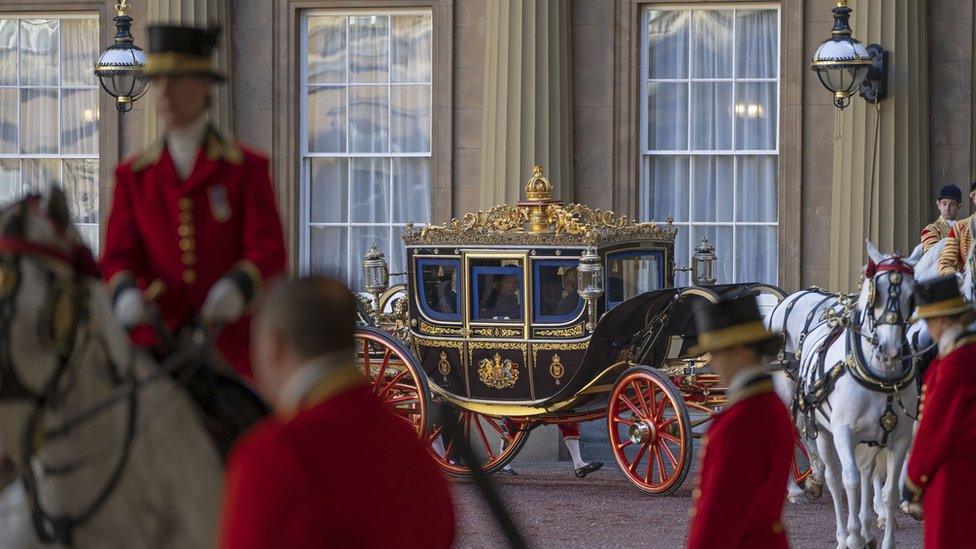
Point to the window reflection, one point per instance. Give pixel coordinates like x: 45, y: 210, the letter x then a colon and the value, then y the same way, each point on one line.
x: 498, y: 290
x: 439, y: 288
x: 557, y: 300
x: 632, y: 273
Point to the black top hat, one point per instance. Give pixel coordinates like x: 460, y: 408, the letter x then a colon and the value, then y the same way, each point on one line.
x: 728, y: 323
x: 940, y: 297
x: 175, y: 51
x: 951, y: 191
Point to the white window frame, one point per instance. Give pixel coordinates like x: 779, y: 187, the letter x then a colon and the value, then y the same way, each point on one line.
x: 353, y: 259
x: 60, y: 87
x: 644, y: 187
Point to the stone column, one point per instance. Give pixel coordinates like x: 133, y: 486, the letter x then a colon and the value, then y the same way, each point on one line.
x: 892, y: 210
x: 528, y: 110
x: 197, y: 13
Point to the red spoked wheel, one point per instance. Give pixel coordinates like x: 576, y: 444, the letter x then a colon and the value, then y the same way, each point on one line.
x: 650, y: 431
x: 800, y: 468
x: 394, y: 375
x: 494, y: 441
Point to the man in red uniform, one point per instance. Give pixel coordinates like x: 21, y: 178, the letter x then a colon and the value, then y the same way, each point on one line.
x: 747, y: 452
x: 195, y: 211
x: 335, y: 468
x: 942, y: 463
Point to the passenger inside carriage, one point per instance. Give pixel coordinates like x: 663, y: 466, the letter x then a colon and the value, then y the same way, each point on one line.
x: 507, y: 303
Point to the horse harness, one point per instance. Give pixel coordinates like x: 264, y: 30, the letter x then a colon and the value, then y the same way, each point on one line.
x: 812, y: 391
x: 61, y: 323
x: 791, y: 361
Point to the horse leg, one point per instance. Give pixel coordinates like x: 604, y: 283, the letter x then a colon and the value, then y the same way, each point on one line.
x: 866, y: 466
x: 892, y: 491
x: 815, y: 482
x: 878, y: 481
x: 831, y: 473
x: 844, y: 444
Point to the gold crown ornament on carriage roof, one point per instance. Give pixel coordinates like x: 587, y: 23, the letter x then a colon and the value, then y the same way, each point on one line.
x: 539, y: 220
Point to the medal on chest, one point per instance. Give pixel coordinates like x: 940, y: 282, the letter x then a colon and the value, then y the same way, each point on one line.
x: 219, y: 203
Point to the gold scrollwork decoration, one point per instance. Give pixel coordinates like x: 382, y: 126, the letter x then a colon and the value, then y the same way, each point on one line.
x: 439, y: 343
x: 498, y: 373
x: 496, y: 345
x: 572, y: 331
x: 575, y: 346
x: 438, y: 330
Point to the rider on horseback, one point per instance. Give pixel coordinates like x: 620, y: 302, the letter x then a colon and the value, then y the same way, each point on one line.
x: 952, y: 259
x: 949, y: 202
x: 195, y: 211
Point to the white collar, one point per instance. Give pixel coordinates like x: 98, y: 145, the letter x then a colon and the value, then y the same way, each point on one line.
x: 949, y: 337
x: 184, y: 144
x: 308, y: 376
x: 742, y: 378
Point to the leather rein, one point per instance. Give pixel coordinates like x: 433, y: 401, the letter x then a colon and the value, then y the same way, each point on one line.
x: 13, y: 247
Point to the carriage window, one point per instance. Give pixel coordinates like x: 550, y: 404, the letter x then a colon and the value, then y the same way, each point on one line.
x: 556, y: 299
x: 633, y: 273
x: 499, y: 295
x: 437, y: 286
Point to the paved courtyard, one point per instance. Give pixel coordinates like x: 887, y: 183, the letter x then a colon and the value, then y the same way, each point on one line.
x: 555, y: 509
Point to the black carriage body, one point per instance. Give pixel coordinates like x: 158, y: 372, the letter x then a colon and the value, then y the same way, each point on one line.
x: 543, y: 359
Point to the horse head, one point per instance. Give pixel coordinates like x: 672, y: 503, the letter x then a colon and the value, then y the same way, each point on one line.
x: 47, y: 277
x: 886, y: 300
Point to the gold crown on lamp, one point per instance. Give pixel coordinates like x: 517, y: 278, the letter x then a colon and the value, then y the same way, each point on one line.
x: 538, y: 188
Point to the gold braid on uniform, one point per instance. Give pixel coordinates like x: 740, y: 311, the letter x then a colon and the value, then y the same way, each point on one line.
x: 960, y: 239
x: 934, y: 232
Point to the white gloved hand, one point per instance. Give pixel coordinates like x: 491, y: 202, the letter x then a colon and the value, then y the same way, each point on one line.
x: 224, y: 304
x: 130, y: 309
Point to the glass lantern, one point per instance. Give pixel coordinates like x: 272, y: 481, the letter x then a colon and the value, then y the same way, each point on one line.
x: 703, y: 264
x: 589, y: 283
x: 376, y: 273
x: 119, y: 69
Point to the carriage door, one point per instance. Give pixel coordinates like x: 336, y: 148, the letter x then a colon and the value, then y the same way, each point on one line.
x: 497, y: 309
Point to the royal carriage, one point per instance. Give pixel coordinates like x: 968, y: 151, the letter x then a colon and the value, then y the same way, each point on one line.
x: 545, y: 313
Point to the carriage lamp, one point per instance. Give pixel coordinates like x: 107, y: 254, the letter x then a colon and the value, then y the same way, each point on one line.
x: 119, y: 69
x: 589, y: 283
x: 845, y: 66
x: 377, y: 274
x: 703, y: 264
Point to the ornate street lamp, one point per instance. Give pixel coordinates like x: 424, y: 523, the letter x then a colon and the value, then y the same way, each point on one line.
x: 589, y: 283
x: 120, y: 66
x: 845, y: 66
x: 703, y: 264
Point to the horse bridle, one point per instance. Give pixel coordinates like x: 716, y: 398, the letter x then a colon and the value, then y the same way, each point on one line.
x: 893, y: 269
x: 64, y: 326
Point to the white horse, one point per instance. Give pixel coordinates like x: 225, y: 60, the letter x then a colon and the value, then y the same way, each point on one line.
x: 857, y: 391
x: 110, y: 451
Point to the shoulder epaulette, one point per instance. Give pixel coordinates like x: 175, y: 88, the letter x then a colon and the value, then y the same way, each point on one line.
x: 149, y: 156
x: 220, y: 148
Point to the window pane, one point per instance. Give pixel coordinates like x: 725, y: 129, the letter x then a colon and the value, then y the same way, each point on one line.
x: 667, y: 116
x: 39, y: 52
x: 667, y: 179
x: 10, y: 186
x: 711, y: 44
x: 326, y: 49
x: 8, y: 52
x: 411, y: 190
x: 756, y: 188
x: 721, y: 238
x: 81, y: 188
x: 398, y: 254
x: 498, y: 293
x: 326, y: 119
x: 370, y: 190
x: 756, y: 252
x: 40, y: 173
x: 667, y: 41
x: 369, y: 119
x: 79, y: 53
x: 410, y: 124
x: 411, y: 48
x: 681, y: 256
x: 9, y: 98
x: 39, y: 121
x: 438, y: 288
x: 756, y: 116
x: 329, y: 190
x: 756, y: 43
x: 712, y: 188
x: 711, y: 124
x: 360, y: 239
x: 79, y: 121
x: 327, y: 251
x: 369, y: 48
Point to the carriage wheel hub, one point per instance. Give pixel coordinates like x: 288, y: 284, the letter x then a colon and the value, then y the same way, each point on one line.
x: 642, y: 432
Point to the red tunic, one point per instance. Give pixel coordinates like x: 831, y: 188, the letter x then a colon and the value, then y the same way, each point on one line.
x: 744, y: 471
x: 942, y: 463
x: 343, y: 473
x: 189, y: 234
